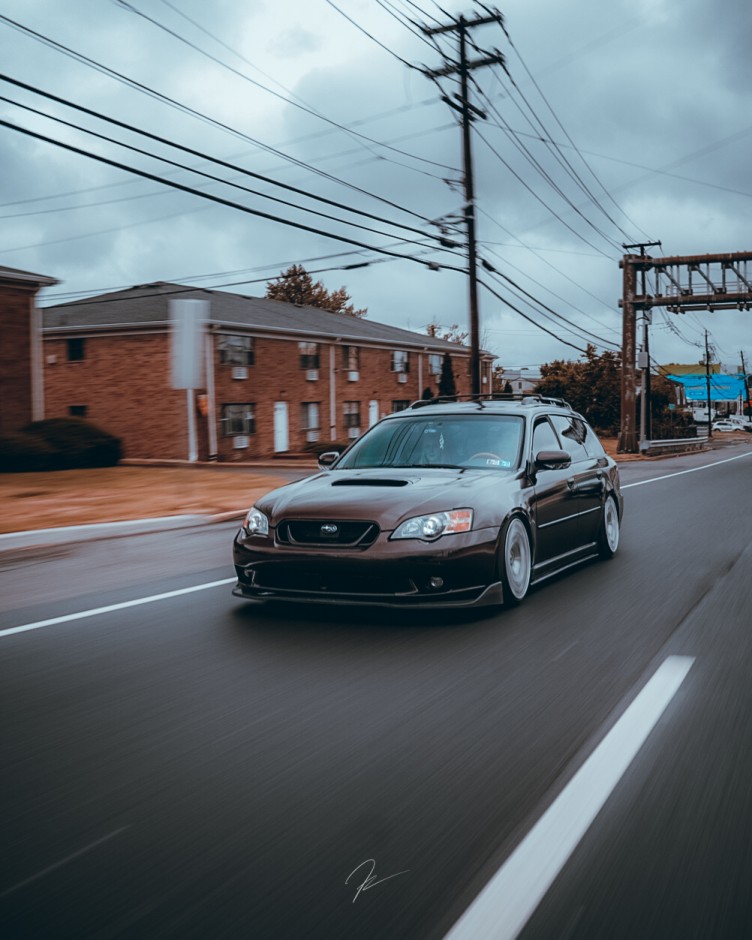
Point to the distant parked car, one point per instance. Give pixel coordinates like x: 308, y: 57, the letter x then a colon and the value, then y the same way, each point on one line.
x: 444, y: 504
x: 725, y: 425
x: 741, y: 422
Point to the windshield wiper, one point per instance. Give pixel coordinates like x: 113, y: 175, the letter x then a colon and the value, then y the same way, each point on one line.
x: 429, y: 466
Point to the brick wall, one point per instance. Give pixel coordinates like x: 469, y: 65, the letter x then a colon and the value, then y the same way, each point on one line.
x: 123, y: 381
x: 16, y: 305
x: 124, y: 384
x: 277, y: 376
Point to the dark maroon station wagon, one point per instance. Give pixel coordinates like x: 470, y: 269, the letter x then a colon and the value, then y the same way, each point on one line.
x: 444, y: 504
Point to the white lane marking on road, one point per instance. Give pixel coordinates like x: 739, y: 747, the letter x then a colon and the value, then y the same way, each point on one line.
x: 506, y: 903
x: 705, y: 466
x: 111, y: 607
x: 63, y: 861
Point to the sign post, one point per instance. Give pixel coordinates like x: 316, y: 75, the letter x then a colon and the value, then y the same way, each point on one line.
x: 187, y: 321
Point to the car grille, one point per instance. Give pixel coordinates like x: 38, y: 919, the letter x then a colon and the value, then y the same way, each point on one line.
x: 333, y: 533
x: 315, y: 580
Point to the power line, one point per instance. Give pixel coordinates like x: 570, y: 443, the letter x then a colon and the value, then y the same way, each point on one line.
x: 365, y: 32
x: 219, y: 179
x: 550, y: 313
x: 541, y: 200
x: 219, y: 200
x: 535, y: 323
x: 504, y: 126
x: 290, y: 101
x: 566, y: 134
x: 553, y: 293
x: 196, y: 153
x: 186, y: 109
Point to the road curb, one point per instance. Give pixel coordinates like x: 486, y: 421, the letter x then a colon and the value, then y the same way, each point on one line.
x: 71, y: 535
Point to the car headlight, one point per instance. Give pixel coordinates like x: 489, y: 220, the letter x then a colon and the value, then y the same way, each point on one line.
x: 430, y: 527
x: 255, y: 523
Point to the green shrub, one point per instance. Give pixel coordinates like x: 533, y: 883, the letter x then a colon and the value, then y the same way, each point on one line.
x: 58, y: 444
x: 77, y: 443
x: 24, y: 453
x: 671, y: 425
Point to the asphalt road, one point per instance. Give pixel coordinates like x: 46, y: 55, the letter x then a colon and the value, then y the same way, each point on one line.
x: 193, y: 766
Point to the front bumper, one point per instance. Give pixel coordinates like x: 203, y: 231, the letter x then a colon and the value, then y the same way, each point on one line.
x: 455, y: 571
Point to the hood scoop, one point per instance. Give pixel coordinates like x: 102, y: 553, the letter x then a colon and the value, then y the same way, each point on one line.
x: 373, y: 481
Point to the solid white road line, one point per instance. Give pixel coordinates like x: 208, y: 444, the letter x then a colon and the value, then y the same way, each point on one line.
x: 506, y: 903
x: 705, y: 466
x: 112, y: 607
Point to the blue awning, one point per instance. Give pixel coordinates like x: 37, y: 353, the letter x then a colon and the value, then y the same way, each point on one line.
x: 722, y: 387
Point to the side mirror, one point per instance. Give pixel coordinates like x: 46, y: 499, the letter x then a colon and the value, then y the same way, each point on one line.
x: 552, y: 460
x: 328, y: 458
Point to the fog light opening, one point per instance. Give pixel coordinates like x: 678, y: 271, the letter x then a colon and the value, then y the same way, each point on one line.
x: 435, y: 583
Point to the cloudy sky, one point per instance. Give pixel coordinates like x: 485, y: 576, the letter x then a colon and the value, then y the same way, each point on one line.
x: 618, y: 122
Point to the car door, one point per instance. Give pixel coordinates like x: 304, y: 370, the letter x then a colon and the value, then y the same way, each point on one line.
x: 553, y: 504
x: 586, y: 479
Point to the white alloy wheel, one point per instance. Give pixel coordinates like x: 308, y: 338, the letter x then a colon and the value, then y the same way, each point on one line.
x: 609, y: 535
x: 516, y: 563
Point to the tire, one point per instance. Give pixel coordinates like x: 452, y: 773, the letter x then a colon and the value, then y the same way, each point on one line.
x: 516, y: 562
x: 608, y: 535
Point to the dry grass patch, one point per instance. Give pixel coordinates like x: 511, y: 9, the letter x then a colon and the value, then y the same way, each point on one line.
x: 112, y: 494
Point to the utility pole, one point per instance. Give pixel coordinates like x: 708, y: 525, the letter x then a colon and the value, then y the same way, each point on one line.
x: 647, y: 317
x: 707, y: 383
x: 468, y: 113
x: 745, y: 409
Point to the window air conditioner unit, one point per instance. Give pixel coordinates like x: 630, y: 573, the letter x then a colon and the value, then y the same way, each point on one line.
x: 239, y: 372
x: 312, y: 436
x: 353, y: 376
x: 312, y: 375
x: 240, y: 441
x: 402, y: 377
x: 353, y: 432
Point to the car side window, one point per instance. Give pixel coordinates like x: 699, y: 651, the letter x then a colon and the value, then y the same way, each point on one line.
x: 572, y: 433
x: 592, y: 445
x: 544, y: 437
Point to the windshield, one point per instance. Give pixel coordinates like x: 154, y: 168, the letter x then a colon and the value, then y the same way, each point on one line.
x: 462, y: 441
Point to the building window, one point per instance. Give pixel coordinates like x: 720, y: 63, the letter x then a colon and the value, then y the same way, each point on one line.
x: 400, y: 361
x: 309, y: 416
x: 434, y: 364
x: 401, y: 404
x: 76, y: 350
x: 235, y: 350
x: 309, y: 355
x: 77, y: 411
x: 239, y: 419
x: 351, y: 411
x: 351, y: 358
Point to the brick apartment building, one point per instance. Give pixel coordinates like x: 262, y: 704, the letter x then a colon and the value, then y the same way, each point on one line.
x: 276, y: 376
x: 21, y: 398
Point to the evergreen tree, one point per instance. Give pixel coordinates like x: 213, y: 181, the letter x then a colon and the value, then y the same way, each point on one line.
x: 296, y: 286
x: 447, y: 385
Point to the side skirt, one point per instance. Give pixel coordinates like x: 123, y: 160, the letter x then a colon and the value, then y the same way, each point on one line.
x: 554, y: 566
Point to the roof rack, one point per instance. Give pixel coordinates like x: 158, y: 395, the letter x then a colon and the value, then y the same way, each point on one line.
x: 524, y: 398
x: 450, y: 399
x: 545, y: 400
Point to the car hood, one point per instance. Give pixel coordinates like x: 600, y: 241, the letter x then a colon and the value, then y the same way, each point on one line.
x: 387, y: 496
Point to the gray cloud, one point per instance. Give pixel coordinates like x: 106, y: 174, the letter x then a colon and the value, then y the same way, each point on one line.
x: 653, y: 95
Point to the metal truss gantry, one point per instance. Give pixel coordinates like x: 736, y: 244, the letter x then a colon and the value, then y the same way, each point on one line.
x: 682, y: 284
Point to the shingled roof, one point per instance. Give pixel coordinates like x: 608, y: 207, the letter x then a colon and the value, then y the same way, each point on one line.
x: 15, y: 276
x: 147, y: 305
